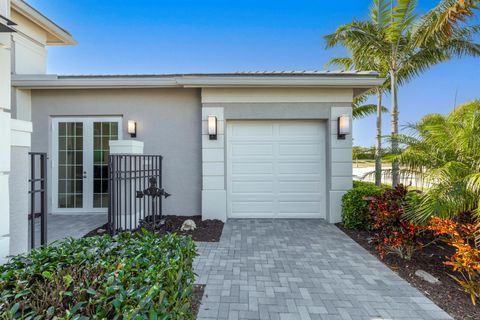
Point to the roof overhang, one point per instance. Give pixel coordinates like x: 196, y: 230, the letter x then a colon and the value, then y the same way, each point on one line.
x: 6, y: 25
x: 279, y: 81
x: 56, y: 34
x: 358, y: 82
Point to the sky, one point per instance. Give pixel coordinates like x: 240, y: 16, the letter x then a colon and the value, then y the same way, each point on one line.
x: 180, y: 36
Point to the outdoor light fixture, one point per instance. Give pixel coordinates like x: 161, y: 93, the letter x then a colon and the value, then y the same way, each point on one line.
x: 132, y: 128
x: 212, y: 127
x: 343, y: 126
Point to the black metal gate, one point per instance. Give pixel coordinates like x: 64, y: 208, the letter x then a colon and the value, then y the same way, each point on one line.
x: 38, y: 197
x: 135, y: 191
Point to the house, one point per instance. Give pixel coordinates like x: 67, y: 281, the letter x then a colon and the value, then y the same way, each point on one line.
x: 25, y: 34
x: 276, y: 151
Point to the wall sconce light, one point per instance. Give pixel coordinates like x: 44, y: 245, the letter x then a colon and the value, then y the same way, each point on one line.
x: 343, y: 126
x: 212, y: 127
x: 132, y: 128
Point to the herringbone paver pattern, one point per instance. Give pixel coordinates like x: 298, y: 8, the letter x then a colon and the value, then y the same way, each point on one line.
x: 300, y: 269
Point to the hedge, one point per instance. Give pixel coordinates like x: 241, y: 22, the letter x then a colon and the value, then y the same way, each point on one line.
x: 355, y: 213
x: 129, y: 276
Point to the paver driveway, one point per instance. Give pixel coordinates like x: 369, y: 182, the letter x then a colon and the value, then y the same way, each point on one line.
x: 300, y: 269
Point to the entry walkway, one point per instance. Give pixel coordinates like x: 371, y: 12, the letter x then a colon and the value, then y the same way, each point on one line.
x: 75, y: 226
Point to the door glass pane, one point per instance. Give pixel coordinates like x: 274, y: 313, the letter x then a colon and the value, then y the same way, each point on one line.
x: 103, y: 132
x: 70, y: 165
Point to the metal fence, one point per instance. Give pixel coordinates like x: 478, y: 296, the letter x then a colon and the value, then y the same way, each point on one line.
x: 135, y: 191
x: 38, y: 197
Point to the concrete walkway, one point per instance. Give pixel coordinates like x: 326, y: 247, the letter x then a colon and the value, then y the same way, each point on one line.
x: 300, y: 269
x: 75, y: 226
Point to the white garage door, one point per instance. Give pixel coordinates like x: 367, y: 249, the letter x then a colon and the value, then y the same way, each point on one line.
x: 276, y: 169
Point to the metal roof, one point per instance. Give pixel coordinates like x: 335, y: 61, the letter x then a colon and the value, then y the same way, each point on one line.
x: 229, y: 74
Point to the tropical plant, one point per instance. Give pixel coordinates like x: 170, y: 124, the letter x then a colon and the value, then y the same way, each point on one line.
x: 466, y: 259
x: 443, y: 151
x: 391, y: 232
x: 401, y: 45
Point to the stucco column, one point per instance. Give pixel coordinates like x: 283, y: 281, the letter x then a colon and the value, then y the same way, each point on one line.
x: 18, y: 184
x: 214, y: 196
x: 126, y: 187
x: 5, y: 83
x: 341, y: 176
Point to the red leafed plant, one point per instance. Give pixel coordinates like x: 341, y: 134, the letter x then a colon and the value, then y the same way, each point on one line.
x: 466, y: 259
x: 391, y: 232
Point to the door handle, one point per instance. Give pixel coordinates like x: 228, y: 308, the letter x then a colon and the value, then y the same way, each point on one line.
x: 84, y: 174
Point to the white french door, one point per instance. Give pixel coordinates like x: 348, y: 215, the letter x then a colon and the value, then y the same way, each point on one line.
x: 80, y: 149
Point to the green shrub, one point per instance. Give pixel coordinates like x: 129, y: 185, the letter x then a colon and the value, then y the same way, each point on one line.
x: 129, y: 276
x: 354, y: 208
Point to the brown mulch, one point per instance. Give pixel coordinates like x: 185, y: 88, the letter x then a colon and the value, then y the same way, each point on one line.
x: 447, y: 295
x: 206, y: 231
x: 197, y: 298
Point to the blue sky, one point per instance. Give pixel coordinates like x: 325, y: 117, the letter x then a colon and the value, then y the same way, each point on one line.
x: 177, y: 36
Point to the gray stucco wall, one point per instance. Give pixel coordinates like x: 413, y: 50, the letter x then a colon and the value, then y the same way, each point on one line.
x: 18, y: 184
x: 168, y: 122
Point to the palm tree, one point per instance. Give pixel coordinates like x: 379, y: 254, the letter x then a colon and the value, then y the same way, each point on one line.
x: 358, y: 61
x: 361, y: 110
x: 443, y: 152
x: 397, y: 43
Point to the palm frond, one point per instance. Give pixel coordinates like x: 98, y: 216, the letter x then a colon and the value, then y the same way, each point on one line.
x: 402, y: 18
x: 345, y: 63
x: 443, y: 20
x: 380, y: 13
x: 362, y: 111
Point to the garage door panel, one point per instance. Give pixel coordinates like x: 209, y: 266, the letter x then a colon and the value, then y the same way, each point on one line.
x: 276, y: 169
x: 307, y: 168
x: 252, y: 130
x: 240, y: 168
x: 249, y: 186
x: 299, y: 129
x: 299, y: 187
x: 299, y: 197
x: 254, y: 197
x: 252, y: 207
x: 299, y: 150
x: 248, y: 150
x: 295, y: 207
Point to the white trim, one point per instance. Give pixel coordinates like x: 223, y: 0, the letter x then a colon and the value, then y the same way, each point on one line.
x: 201, y: 81
x: 276, y: 95
x: 87, y: 162
x: 126, y: 147
x: 50, y: 82
x: 64, y: 38
x: 280, y: 81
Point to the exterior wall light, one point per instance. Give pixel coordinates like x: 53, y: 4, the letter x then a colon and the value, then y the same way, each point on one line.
x: 132, y: 128
x: 212, y: 127
x: 343, y: 126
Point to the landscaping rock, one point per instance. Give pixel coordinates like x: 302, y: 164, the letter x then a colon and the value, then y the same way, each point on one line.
x: 101, y: 231
x: 426, y: 276
x: 188, y: 225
